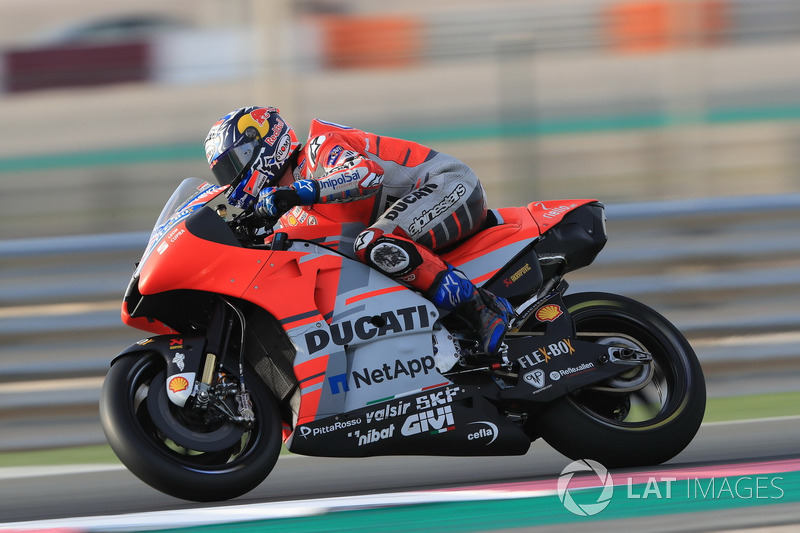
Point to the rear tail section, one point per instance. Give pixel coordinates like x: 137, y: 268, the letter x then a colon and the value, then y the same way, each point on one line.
x: 531, y: 245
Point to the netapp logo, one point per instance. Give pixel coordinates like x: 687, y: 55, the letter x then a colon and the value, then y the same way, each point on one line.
x: 367, y: 327
x: 389, y: 372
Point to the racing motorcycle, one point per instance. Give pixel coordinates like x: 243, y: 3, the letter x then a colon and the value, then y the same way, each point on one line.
x: 266, y: 336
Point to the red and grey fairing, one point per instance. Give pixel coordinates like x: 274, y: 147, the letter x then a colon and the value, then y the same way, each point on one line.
x: 529, y: 244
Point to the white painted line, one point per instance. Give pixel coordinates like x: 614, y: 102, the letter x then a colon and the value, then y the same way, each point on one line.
x: 264, y: 511
x: 790, y: 418
x: 22, y: 472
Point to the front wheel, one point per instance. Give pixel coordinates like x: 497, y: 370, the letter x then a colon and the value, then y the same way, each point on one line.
x: 212, y: 461
x: 643, y: 417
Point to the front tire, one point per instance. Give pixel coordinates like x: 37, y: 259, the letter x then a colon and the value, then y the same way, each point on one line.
x: 244, y: 458
x: 634, y: 428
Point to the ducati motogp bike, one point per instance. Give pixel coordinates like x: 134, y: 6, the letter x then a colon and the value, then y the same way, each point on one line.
x: 271, y: 336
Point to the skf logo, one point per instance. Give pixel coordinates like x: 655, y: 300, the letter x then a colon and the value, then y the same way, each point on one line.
x: 548, y: 313
x: 178, y: 384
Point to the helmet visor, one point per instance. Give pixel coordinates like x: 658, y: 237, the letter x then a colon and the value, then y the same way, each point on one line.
x: 232, y: 164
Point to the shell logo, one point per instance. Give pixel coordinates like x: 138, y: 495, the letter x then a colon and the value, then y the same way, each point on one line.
x: 548, y: 313
x: 178, y: 384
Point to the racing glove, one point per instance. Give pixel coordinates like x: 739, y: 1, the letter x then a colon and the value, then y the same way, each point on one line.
x: 275, y: 201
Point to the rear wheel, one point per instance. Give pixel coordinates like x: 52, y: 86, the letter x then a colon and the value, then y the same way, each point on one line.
x: 174, y: 449
x: 642, y: 417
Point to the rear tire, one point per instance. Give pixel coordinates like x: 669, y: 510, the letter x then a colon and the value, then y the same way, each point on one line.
x: 626, y: 429
x: 239, y: 465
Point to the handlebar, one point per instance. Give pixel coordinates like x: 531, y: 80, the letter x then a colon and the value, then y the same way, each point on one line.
x: 247, y: 225
x: 250, y: 219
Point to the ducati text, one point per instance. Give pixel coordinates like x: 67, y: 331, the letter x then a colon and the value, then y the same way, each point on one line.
x: 367, y: 327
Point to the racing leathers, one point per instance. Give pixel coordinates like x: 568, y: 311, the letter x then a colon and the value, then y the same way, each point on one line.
x: 418, y: 201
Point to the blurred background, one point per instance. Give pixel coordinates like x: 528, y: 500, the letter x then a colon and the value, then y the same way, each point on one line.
x: 105, y: 106
x: 683, y: 116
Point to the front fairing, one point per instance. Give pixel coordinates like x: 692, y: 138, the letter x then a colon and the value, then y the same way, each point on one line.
x: 169, y: 265
x: 191, y: 195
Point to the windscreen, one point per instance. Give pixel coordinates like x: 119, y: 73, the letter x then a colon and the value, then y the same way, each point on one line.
x: 191, y: 195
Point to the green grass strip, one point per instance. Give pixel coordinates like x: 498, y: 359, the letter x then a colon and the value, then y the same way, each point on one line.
x: 450, y: 133
x: 717, y: 410
x: 753, y: 406
x: 99, y: 158
x: 101, y: 454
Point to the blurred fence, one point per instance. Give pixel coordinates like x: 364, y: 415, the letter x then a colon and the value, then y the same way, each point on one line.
x: 349, y: 36
x: 622, y: 100
x: 725, y: 271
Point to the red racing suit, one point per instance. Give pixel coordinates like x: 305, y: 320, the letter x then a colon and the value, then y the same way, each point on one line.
x: 415, y: 200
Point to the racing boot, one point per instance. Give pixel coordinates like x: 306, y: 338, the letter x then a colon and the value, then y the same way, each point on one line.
x: 488, y: 314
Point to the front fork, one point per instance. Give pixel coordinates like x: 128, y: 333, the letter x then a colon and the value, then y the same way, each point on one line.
x: 215, y: 386
x: 197, y: 372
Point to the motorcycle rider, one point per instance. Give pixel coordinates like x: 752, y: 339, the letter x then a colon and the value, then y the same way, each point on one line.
x: 416, y: 200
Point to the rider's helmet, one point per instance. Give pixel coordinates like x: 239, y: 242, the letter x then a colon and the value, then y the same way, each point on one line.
x: 249, y: 149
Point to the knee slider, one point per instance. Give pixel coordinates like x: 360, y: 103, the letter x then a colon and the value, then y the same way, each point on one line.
x: 388, y: 254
